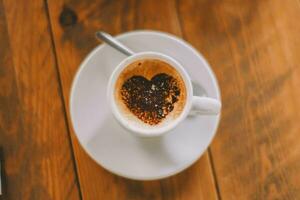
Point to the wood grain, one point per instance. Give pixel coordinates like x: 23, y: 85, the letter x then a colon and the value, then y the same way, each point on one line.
x: 254, y: 47
x: 34, y: 138
x: 74, y: 23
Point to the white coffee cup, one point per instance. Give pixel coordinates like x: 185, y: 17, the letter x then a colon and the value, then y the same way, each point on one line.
x: 193, y: 105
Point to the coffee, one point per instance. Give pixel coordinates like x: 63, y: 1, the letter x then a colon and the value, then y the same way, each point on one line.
x: 150, y: 92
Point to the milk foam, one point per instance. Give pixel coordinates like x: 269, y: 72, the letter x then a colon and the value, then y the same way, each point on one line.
x: 149, y: 68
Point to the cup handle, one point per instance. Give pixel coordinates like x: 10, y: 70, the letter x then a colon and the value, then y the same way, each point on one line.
x: 205, y: 106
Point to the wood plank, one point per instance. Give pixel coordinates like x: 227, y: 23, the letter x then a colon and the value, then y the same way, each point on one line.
x: 254, y: 47
x: 74, y: 24
x: 37, y: 154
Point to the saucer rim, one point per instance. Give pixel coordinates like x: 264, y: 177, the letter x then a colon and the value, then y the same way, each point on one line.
x: 99, y: 47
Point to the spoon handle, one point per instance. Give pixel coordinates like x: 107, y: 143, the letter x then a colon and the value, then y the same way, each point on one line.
x: 108, y: 39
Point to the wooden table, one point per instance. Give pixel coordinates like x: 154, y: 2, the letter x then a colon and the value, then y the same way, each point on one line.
x: 252, y: 45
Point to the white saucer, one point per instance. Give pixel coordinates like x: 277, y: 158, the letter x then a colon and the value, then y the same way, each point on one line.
x: 116, y: 149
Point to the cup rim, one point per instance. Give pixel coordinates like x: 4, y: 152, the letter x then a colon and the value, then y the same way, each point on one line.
x: 115, y: 110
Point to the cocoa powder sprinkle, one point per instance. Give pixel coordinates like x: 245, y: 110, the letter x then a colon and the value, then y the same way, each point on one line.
x: 150, y: 100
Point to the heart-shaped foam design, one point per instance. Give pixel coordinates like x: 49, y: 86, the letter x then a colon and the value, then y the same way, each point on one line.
x: 150, y: 100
